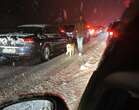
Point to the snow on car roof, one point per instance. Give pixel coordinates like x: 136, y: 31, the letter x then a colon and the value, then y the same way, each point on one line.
x: 33, y: 25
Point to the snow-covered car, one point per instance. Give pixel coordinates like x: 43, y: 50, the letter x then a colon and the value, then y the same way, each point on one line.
x: 32, y: 40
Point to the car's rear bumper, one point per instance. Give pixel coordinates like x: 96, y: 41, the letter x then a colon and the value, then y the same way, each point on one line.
x: 16, y: 53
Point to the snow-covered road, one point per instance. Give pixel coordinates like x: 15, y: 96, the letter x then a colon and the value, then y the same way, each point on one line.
x: 64, y: 75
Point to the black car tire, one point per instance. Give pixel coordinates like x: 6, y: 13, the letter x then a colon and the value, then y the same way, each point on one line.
x: 46, y: 54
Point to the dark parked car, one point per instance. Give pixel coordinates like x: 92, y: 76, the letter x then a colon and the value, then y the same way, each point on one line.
x: 68, y: 31
x: 31, y: 41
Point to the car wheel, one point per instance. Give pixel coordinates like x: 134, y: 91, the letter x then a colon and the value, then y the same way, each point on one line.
x: 46, y: 54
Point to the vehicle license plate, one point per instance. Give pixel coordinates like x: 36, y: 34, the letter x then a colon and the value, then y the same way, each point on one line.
x: 9, y: 50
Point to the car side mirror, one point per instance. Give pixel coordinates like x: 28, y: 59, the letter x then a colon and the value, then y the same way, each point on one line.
x: 31, y: 105
x: 35, y: 102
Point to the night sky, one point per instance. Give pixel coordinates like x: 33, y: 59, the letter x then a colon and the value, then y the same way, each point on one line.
x: 48, y: 11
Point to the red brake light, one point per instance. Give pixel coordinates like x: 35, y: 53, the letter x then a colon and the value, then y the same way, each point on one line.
x: 28, y: 40
x: 88, y: 26
x: 111, y: 33
x: 62, y: 30
x: 91, y: 31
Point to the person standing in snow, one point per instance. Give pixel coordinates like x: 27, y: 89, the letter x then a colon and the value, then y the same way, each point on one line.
x: 79, y: 27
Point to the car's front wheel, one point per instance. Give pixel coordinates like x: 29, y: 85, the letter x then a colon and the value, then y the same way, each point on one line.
x: 46, y: 54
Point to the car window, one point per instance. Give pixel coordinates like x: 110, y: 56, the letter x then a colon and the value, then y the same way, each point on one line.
x: 29, y: 29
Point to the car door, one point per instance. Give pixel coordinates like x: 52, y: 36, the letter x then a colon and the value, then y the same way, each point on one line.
x: 60, y: 43
x: 50, y: 42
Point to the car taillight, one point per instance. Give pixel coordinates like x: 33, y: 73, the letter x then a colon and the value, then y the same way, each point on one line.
x: 91, y: 31
x: 28, y: 40
x: 62, y: 31
x: 88, y: 26
x: 111, y: 33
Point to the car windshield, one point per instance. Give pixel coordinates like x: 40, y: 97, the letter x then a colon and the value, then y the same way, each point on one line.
x: 55, y: 46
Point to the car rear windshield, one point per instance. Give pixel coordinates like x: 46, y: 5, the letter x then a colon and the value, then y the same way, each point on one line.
x: 51, y: 29
x: 69, y: 28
